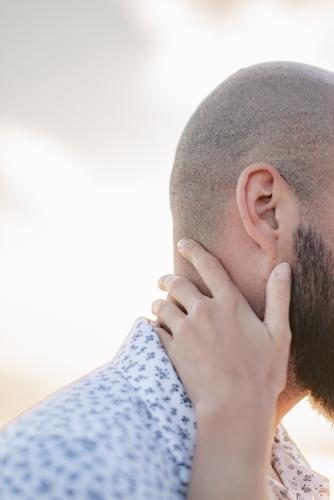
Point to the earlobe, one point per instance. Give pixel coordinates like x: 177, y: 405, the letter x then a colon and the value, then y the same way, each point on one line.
x: 257, y: 201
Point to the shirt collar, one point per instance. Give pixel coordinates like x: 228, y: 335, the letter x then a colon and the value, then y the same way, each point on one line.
x: 294, y: 471
x: 143, y: 361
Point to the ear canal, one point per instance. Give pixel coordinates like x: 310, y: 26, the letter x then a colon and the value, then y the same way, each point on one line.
x: 264, y: 203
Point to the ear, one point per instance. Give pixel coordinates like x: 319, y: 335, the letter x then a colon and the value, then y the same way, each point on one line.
x: 259, y: 193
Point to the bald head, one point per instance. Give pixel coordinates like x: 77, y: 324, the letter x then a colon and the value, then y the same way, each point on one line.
x: 281, y: 113
x: 253, y: 182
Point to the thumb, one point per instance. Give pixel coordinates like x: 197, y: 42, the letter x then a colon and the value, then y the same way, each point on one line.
x: 278, y: 295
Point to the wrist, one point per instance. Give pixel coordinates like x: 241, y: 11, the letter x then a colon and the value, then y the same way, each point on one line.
x: 244, y: 424
x: 244, y: 433
x: 245, y: 403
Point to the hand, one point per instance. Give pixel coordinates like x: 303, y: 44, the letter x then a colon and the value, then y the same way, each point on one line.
x: 218, y: 345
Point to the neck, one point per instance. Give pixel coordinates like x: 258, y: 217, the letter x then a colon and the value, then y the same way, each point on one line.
x: 291, y: 395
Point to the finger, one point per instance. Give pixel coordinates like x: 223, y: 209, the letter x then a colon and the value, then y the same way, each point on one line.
x: 169, y: 298
x: 208, y: 266
x: 183, y: 290
x: 168, y: 314
x: 165, y: 337
x: 278, y: 300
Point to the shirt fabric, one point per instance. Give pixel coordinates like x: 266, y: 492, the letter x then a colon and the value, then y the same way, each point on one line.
x: 125, y: 431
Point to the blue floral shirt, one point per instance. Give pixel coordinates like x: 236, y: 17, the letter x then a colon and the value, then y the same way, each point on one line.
x: 125, y: 431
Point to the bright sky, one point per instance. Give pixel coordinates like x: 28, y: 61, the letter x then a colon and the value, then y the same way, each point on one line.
x: 92, y: 105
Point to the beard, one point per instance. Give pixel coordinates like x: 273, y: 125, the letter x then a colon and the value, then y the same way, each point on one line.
x: 312, y: 318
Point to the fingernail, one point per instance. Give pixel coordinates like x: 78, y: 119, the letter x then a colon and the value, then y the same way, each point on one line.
x: 155, y: 305
x: 164, y: 280
x: 283, y: 271
x: 182, y: 243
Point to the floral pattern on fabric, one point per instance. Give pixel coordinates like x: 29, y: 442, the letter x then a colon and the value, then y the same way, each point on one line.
x: 125, y: 431
x: 300, y: 481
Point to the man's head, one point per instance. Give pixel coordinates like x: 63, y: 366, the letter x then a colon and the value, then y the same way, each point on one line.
x: 253, y: 182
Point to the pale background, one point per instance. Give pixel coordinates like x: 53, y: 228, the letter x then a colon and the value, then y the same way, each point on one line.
x: 93, y: 98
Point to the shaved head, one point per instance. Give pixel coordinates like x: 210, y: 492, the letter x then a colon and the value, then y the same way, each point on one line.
x: 281, y: 113
x: 264, y: 123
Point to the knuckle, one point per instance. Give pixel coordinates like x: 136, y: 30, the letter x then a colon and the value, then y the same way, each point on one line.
x: 228, y: 299
x: 207, y: 261
x: 175, y: 283
x: 200, y: 309
x: 179, y: 326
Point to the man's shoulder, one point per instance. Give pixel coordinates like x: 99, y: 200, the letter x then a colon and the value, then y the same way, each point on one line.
x: 103, y: 394
x: 105, y: 386
x: 79, y: 408
x: 95, y: 435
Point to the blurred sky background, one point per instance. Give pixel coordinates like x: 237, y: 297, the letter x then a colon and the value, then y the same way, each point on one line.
x: 93, y: 99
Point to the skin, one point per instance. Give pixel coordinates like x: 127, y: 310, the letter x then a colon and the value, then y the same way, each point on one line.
x: 208, y: 335
x: 265, y: 223
x: 262, y: 218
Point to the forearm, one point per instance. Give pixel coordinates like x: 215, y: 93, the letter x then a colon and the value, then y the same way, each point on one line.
x: 232, y: 452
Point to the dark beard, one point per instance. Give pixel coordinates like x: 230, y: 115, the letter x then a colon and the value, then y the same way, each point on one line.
x: 312, y: 318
